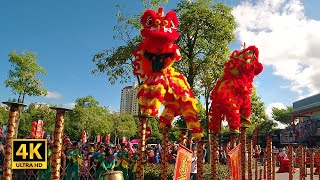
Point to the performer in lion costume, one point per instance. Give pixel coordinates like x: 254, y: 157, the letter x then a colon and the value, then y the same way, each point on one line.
x: 161, y: 83
x: 231, y: 95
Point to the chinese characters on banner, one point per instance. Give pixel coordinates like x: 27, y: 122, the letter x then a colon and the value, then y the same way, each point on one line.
x: 183, y: 164
x: 39, y: 131
x: 234, y: 163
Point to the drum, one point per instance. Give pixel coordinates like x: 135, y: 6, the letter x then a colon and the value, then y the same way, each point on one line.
x: 115, y: 175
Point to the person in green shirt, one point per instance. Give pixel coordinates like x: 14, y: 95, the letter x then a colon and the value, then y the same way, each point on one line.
x: 99, y: 160
x: 46, y: 173
x: 75, y: 160
x: 122, y: 162
x: 107, y: 165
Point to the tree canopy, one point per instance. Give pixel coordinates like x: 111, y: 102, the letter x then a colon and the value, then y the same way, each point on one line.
x: 22, y: 79
x: 206, y: 29
x: 283, y: 115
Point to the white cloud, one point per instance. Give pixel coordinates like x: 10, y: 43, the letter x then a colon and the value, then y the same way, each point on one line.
x: 269, y: 112
x: 272, y: 105
x: 53, y: 95
x: 69, y: 105
x: 287, y: 40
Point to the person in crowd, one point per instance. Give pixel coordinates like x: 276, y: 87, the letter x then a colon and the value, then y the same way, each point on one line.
x: 204, y: 159
x: 75, y: 161
x: 174, y: 154
x: 99, y: 159
x: 223, y: 157
x: 193, y: 172
x: 157, y: 156
x: 107, y: 163
x: 1, y: 158
x: 257, y: 152
x: 150, y: 154
x: 85, y: 164
x: 46, y: 173
x: 122, y: 161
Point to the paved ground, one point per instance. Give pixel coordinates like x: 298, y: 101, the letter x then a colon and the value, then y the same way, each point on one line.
x: 296, y: 176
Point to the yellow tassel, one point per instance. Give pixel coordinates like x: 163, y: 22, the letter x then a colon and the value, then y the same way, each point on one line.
x: 118, y: 163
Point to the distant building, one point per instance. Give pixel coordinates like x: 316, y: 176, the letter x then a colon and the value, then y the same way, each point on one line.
x: 307, y: 129
x: 129, y: 102
x: 39, y: 104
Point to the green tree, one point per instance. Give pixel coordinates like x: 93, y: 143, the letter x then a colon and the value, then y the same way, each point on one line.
x: 156, y: 136
x: 283, y: 115
x: 88, y: 115
x: 22, y: 79
x: 124, y: 125
x: 266, y: 127
x: 117, y: 62
x: 206, y: 29
x: 258, y: 112
x: 4, y: 115
x: 34, y: 113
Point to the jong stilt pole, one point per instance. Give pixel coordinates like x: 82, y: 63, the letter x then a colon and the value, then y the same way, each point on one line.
x: 11, y: 132
x: 57, y: 143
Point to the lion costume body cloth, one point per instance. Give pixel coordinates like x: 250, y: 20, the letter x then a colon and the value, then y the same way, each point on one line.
x: 231, y: 95
x: 161, y: 83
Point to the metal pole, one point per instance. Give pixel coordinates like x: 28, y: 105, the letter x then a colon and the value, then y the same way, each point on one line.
x: 11, y: 132
x: 250, y: 159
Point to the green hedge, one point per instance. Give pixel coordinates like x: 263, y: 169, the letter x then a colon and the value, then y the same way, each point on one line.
x: 153, y: 171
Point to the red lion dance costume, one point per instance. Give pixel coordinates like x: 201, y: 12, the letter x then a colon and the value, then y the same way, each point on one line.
x: 153, y: 64
x: 231, y: 95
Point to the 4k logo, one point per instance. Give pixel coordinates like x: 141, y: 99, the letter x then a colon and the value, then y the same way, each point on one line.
x: 29, y: 154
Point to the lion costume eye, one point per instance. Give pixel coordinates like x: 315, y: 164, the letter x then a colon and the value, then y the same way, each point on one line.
x: 172, y: 25
x: 149, y: 21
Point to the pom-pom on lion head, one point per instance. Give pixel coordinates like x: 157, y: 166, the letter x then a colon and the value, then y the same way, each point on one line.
x: 159, y: 26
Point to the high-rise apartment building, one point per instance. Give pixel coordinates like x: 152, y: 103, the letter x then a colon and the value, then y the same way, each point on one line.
x: 129, y: 101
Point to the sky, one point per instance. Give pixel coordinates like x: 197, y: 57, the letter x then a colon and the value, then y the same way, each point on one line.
x: 66, y: 34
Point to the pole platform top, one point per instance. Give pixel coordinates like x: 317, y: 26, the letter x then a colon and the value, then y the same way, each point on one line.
x: 13, y: 103
x: 60, y: 108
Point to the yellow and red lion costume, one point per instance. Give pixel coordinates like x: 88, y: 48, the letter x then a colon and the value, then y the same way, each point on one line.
x: 231, y: 95
x: 161, y: 84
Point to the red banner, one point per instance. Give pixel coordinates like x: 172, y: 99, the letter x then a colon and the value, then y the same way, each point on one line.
x: 183, y: 164
x: 234, y: 160
x: 39, y: 132
x: 84, y: 136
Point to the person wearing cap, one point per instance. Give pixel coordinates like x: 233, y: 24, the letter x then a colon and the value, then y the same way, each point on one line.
x: 122, y: 163
x: 75, y: 160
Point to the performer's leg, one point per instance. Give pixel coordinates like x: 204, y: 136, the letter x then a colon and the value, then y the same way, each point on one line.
x: 189, y: 112
x: 215, y: 118
x: 245, y: 111
x: 150, y: 97
x: 233, y: 118
x: 172, y: 109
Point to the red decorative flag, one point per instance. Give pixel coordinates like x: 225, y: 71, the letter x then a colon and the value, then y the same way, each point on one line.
x: 233, y: 159
x: 183, y: 164
x: 39, y: 132
x: 84, y: 136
